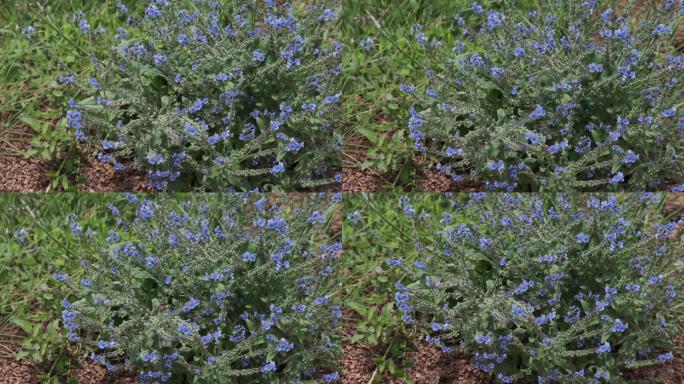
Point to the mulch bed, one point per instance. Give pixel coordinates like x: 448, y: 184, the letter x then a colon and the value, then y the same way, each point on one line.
x: 21, y: 174
x: 356, y: 179
x: 671, y: 372
x: 427, y: 365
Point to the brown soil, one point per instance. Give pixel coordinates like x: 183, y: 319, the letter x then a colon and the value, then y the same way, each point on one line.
x: 12, y: 371
x: 671, y: 372
x: 18, y: 372
x: 21, y: 174
x: 101, y: 177
x: 89, y: 372
x: 356, y: 179
x: 17, y: 173
x: 427, y: 365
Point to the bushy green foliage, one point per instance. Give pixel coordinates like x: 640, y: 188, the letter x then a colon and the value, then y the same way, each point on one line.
x: 380, y: 55
x: 581, y: 95
x: 32, y: 243
x: 550, y: 288
x: 39, y: 42
x: 216, y: 95
x: 225, y: 288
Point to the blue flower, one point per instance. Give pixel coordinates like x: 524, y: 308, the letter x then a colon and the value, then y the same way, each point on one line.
x: 517, y: 311
x: 190, y: 305
x: 619, y: 326
x: 603, y: 348
x: 60, y: 277
x: 617, y: 178
x: 630, y: 157
x: 147, y: 209
x: 259, y: 56
x: 122, y: 8
x: 278, y: 168
x: 190, y: 129
x: 595, y: 68
x: 28, y: 32
x: 661, y: 29
x: 497, y: 166
x: 155, y: 159
x: 332, y: 99
x: 160, y: 59
x: 249, y: 257
x: 149, y: 357
x: 582, y: 238
x: 184, y: 329
x: 284, y: 346
x: 538, y: 113
x: 494, y: 19
x: 665, y: 357
x: 328, y: 14
x: 477, y: 8
x: 269, y: 367
x: 669, y: 112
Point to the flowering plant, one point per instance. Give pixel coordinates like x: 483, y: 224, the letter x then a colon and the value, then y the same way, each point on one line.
x: 580, y: 95
x: 227, y: 288
x: 550, y: 288
x: 216, y: 95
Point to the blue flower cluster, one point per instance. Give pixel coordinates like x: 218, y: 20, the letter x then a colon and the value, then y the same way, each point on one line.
x: 574, y: 96
x: 220, y: 286
x: 217, y: 96
x: 553, y: 288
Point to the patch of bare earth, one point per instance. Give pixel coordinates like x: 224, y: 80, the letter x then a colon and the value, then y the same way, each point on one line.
x: 11, y: 370
x: 431, y: 180
x: 102, y: 177
x: 426, y: 179
x: 671, y: 372
x: 21, y: 174
x: 89, y: 372
x: 355, y: 179
x: 17, y: 173
x: 18, y: 372
x: 427, y: 365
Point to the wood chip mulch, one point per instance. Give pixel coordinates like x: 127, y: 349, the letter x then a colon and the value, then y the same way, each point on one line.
x: 671, y: 372
x: 18, y: 372
x: 102, y: 177
x: 89, y: 372
x: 356, y: 179
x: 427, y: 365
x: 21, y: 174
x: 17, y: 173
